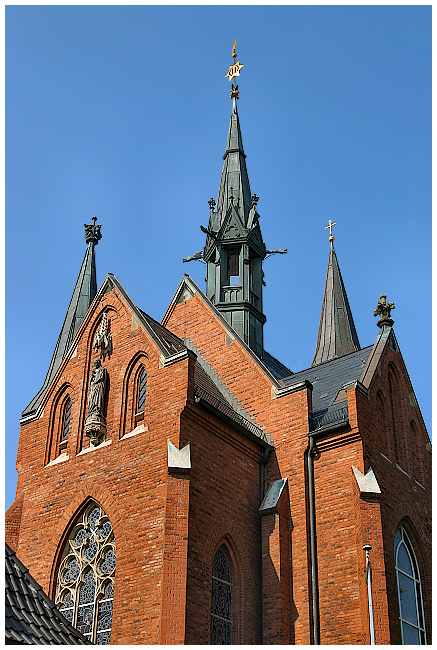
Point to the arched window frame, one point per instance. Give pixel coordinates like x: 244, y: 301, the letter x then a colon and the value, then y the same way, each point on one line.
x: 222, y: 583
x: 409, y: 626
x: 86, y: 575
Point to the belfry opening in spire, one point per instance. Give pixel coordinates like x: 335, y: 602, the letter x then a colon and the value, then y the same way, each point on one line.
x: 337, y: 335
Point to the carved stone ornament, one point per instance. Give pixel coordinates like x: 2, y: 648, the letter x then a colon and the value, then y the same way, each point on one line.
x: 95, y: 423
x: 383, y: 309
x: 103, y: 338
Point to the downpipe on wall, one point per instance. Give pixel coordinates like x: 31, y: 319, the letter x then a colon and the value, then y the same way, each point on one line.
x: 262, y: 468
x: 313, y: 542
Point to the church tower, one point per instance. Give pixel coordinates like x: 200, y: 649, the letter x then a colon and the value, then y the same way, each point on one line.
x: 234, y: 248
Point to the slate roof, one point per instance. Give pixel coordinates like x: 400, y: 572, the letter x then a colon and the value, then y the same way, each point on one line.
x: 277, y: 368
x: 83, y: 295
x: 169, y: 341
x: 31, y: 618
x: 329, y: 377
x: 337, y: 335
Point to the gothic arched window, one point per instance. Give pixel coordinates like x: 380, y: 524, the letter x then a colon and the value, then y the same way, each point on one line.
x: 65, y: 422
x: 409, y: 592
x: 221, y: 599
x: 85, y: 587
x: 141, y: 391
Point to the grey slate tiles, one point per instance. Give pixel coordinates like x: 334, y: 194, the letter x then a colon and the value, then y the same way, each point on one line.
x: 31, y: 618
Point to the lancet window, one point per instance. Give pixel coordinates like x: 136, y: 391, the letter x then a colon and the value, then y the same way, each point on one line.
x: 409, y: 591
x: 66, y: 415
x: 85, y: 585
x: 221, y: 599
x: 141, y: 391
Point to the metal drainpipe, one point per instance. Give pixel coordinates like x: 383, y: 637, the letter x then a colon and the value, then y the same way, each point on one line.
x: 261, y: 489
x: 313, y: 543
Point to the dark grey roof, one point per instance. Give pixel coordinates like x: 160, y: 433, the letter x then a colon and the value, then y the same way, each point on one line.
x: 337, y: 335
x: 31, y: 618
x: 169, y: 341
x: 83, y: 295
x: 277, y: 368
x: 329, y: 377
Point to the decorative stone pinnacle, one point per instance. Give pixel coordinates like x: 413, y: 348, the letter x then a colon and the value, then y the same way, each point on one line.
x: 330, y: 226
x: 383, y: 309
x: 255, y: 200
x: 211, y: 203
x: 92, y: 232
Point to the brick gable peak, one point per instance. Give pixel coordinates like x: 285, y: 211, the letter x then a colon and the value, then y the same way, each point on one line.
x: 273, y: 369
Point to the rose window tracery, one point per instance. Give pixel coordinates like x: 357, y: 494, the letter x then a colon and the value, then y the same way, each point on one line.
x: 85, y: 587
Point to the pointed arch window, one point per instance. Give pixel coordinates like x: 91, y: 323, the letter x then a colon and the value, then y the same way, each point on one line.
x: 85, y: 583
x: 221, y: 599
x: 141, y: 392
x: 409, y: 591
x: 65, y: 424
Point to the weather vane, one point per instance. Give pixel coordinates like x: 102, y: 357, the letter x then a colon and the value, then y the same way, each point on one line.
x: 330, y: 225
x: 234, y: 71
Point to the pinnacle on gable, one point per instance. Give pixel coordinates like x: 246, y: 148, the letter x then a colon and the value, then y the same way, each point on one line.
x: 337, y: 335
x: 83, y: 295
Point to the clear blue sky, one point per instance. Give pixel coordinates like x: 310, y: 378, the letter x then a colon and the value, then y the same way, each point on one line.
x: 123, y: 112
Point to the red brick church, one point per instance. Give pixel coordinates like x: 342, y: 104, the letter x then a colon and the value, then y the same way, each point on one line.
x: 177, y: 484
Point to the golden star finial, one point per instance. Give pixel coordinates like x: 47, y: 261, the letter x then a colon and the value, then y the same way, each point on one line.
x: 234, y: 69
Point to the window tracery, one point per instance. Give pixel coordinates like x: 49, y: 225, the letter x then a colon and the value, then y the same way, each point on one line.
x: 409, y: 591
x: 85, y: 586
x: 221, y: 599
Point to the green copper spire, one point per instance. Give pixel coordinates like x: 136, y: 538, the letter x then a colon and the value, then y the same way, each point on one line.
x: 337, y: 334
x: 83, y: 295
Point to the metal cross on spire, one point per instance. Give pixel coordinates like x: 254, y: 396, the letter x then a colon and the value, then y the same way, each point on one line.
x: 234, y: 71
x: 330, y: 226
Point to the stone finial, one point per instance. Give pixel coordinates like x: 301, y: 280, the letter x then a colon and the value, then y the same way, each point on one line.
x: 92, y: 232
x: 255, y: 200
x: 383, y: 309
x: 211, y: 203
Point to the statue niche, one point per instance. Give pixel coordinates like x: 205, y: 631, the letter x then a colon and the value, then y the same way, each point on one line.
x: 95, y: 422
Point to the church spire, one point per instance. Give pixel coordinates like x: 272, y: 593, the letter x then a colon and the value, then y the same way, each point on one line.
x: 234, y: 248
x: 337, y: 334
x: 83, y: 295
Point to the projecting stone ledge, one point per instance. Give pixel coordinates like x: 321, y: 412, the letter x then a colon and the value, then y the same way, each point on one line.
x: 367, y: 483
x: 179, y: 460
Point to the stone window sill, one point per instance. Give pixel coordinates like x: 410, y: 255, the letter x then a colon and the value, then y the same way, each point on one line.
x: 139, y: 429
x: 92, y: 448
x: 59, y: 459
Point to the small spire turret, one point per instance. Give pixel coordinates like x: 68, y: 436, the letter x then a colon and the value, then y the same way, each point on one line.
x: 83, y: 295
x: 337, y: 335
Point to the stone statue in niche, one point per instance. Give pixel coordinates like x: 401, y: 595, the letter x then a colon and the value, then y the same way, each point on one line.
x: 95, y: 423
x: 103, y: 338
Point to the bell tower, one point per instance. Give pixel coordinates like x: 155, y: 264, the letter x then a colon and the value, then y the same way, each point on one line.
x: 234, y: 248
